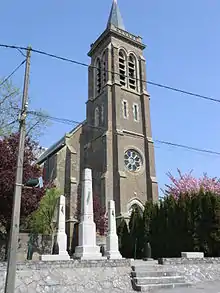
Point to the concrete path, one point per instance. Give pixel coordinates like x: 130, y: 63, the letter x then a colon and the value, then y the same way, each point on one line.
x: 207, y: 287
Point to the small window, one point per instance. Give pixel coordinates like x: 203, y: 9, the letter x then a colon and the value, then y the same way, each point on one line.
x: 132, y: 72
x: 136, y: 112
x: 122, y: 68
x: 125, y: 109
x: 98, y: 76
x: 102, y: 114
x: 104, y: 69
x: 97, y: 116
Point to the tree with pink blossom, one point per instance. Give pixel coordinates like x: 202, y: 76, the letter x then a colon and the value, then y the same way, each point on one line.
x: 186, y: 183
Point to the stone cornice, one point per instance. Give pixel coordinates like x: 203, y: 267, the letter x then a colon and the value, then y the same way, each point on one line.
x: 119, y: 33
x: 128, y: 132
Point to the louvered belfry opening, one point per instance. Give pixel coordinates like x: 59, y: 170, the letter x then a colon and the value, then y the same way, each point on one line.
x: 122, y: 68
x: 132, y: 72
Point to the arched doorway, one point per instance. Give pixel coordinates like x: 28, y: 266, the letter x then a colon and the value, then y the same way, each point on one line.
x: 134, y: 204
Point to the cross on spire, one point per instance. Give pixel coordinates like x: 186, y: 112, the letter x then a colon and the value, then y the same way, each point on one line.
x: 115, y: 17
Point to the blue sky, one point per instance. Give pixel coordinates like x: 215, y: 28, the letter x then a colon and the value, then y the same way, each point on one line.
x: 183, y: 48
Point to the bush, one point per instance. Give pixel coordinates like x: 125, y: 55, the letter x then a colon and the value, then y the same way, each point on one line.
x: 136, y: 233
x: 189, y: 222
x: 42, y: 220
x: 124, y: 239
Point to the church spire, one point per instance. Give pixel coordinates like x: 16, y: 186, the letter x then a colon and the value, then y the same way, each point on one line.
x: 115, y: 17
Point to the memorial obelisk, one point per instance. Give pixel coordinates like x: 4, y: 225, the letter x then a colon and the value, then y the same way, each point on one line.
x: 87, y: 248
x: 112, y: 251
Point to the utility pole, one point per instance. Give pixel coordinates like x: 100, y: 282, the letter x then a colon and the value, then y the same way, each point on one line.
x: 15, y: 223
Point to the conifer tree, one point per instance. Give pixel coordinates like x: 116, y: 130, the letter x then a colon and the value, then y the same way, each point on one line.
x: 215, y: 231
x: 136, y: 233
x: 154, y: 231
x: 124, y: 239
x: 172, y: 243
x: 147, y: 223
x: 196, y: 209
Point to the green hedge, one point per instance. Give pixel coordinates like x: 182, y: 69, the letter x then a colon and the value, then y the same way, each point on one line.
x: 189, y: 223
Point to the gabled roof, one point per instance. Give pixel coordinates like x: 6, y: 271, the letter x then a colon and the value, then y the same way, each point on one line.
x: 115, y: 17
x: 58, y: 145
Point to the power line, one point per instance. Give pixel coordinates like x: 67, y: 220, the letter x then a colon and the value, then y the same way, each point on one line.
x: 188, y: 147
x: 70, y: 122
x: 73, y: 122
x: 116, y: 73
x: 183, y: 92
x: 13, y: 72
x: 21, y: 52
x: 46, y: 54
x: 13, y: 122
x: 56, y: 119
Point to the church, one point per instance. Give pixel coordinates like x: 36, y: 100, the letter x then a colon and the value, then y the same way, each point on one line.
x: 115, y: 140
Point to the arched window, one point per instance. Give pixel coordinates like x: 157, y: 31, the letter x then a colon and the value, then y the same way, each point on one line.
x: 132, y: 72
x: 104, y: 68
x: 98, y: 76
x: 136, y: 112
x: 97, y: 117
x: 122, y: 68
x: 125, y: 109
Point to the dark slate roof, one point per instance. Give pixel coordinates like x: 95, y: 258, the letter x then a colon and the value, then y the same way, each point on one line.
x: 58, y: 145
x: 115, y: 17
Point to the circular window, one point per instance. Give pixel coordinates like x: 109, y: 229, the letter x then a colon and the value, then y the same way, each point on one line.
x: 132, y: 160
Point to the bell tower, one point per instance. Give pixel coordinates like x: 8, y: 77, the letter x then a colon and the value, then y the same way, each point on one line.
x: 117, y: 136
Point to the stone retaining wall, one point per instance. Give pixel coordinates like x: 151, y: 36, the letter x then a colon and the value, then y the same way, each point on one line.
x: 107, y: 276
x: 185, y: 261
x: 71, y: 276
x: 194, y: 270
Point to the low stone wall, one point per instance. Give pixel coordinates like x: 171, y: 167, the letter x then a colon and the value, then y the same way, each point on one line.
x: 107, y: 276
x: 187, y: 261
x: 194, y: 269
x: 41, y: 245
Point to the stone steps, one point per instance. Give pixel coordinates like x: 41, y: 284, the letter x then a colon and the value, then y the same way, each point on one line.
x: 158, y: 280
x: 152, y: 273
x: 141, y: 263
x: 148, y: 276
x: 153, y: 287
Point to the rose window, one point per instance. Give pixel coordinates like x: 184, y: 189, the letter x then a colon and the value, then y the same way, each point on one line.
x: 132, y: 160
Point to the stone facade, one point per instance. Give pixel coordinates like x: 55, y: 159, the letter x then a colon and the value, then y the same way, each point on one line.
x: 115, y: 141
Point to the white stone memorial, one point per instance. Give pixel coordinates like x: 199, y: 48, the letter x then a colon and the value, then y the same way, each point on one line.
x: 87, y: 248
x: 112, y: 251
x: 192, y: 254
x: 60, y: 236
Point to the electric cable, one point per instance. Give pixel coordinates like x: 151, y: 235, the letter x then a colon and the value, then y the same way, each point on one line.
x: 115, y: 73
